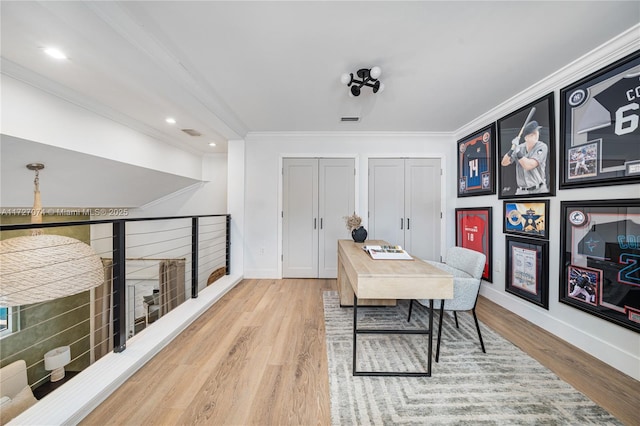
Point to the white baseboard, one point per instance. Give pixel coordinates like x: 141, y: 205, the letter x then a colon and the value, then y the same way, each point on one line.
x: 626, y: 362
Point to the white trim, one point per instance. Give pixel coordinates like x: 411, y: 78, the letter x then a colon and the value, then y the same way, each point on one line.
x: 76, y: 399
x: 614, y: 356
x: 614, y: 49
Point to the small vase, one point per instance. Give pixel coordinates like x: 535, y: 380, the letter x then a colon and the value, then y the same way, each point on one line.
x: 359, y: 234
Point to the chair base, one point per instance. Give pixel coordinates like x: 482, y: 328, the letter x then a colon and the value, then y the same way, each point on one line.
x: 455, y: 315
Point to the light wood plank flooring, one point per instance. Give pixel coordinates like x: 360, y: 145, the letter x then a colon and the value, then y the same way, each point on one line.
x: 258, y: 357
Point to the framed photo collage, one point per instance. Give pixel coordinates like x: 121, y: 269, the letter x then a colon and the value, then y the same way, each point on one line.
x: 599, y: 145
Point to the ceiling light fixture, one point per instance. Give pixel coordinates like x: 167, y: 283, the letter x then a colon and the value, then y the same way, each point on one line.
x: 41, y: 267
x: 368, y: 77
x: 170, y: 120
x: 212, y: 144
x: 55, y: 53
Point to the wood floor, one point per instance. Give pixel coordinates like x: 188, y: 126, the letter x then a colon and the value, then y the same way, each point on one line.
x: 258, y: 357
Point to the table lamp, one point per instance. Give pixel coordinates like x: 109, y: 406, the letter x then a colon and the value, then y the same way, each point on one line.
x: 55, y: 360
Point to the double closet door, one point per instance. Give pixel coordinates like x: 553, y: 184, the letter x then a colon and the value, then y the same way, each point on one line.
x: 317, y: 194
x: 404, y: 204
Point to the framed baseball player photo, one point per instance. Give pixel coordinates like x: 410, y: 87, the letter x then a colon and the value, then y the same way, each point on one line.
x: 526, y: 151
x: 526, y: 218
x: 527, y: 273
x: 600, y: 127
x: 473, y: 231
x: 476, y: 163
x: 600, y: 259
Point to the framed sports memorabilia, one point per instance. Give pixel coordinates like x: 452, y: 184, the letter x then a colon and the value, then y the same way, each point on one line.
x: 600, y: 259
x: 600, y: 127
x: 526, y: 151
x: 473, y: 231
x: 527, y: 273
x: 526, y: 218
x: 476, y: 163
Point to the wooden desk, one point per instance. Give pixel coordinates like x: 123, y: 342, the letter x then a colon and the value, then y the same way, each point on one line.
x: 380, y: 281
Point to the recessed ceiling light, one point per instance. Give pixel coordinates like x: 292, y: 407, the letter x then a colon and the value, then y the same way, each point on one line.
x: 212, y: 144
x: 171, y: 120
x: 55, y: 53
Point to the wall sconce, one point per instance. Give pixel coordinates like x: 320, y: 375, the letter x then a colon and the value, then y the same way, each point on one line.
x: 368, y: 77
x: 55, y: 360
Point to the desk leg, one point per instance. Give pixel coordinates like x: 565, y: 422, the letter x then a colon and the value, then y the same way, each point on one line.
x: 430, y: 349
x: 357, y: 331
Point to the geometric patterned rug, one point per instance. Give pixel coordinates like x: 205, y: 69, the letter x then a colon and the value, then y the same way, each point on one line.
x: 505, y: 386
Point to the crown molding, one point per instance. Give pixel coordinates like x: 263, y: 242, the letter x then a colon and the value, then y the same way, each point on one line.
x: 345, y: 134
x: 143, y: 34
x: 42, y: 83
x: 614, y: 49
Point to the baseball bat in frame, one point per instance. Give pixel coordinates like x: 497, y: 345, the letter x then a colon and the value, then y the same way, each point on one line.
x: 529, y: 117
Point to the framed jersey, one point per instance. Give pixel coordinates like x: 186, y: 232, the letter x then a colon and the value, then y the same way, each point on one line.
x: 600, y: 259
x: 473, y: 231
x: 600, y: 127
x: 477, y: 163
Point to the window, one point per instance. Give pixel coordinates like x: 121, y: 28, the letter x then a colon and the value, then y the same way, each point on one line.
x: 6, y: 321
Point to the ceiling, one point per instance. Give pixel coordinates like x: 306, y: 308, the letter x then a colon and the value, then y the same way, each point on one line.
x: 226, y: 69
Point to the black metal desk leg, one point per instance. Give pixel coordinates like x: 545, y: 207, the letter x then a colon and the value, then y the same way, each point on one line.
x: 357, y: 331
x: 355, y: 328
x: 430, y: 349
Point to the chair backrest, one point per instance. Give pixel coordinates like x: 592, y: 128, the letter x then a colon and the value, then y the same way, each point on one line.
x: 469, y: 261
x: 13, y: 378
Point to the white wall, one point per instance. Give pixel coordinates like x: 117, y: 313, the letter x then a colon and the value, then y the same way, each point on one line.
x: 611, y: 343
x: 263, y: 185
x: 32, y: 114
x: 615, y: 345
x: 207, y: 197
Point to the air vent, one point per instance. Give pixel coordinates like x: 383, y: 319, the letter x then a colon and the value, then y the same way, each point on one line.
x: 192, y: 132
x: 353, y: 119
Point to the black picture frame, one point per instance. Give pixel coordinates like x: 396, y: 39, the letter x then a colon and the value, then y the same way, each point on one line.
x: 509, y: 127
x: 474, y: 231
x: 599, y: 146
x: 527, y: 270
x: 477, y: 163
x: 601, y: 239
x: 527, y: 218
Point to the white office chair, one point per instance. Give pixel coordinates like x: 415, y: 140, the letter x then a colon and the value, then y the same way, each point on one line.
x: 466, y: 266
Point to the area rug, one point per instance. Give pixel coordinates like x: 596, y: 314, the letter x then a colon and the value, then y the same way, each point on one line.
x: 505, y: 386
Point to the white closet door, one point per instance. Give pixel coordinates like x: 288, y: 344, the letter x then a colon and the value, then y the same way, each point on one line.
x: 300, y: 218
x: 422, y: 208
x: 336, y: 200
x: 386, y: 200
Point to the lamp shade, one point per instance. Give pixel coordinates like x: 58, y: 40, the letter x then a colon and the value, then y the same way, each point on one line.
x: 57, y: 358
x: 39, y: 268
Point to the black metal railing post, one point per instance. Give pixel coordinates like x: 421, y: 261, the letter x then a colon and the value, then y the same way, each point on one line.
x: 119, y: 287
x: 228, y: 259
x: 194, y: 257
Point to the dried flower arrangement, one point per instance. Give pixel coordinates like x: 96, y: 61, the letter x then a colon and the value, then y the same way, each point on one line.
x: 353, y: 221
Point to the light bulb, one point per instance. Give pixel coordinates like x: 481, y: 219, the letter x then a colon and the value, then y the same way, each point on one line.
x: 375, y: 72
x: 345, y: 78
x: 381, y: 88
x: 55, y: 53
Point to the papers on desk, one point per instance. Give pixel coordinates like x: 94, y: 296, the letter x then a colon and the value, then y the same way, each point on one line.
x: 387, y: 253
